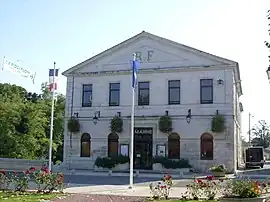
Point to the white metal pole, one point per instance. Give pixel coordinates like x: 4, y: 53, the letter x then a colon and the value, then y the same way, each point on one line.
x: 3, y: 63
x: 52, y: 116
x: 249, y: 132
x: 132, y: 134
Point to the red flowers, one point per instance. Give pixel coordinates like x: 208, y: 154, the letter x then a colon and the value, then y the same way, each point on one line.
x: 3, y: 172
x: 210, y: 177
x: 33, y: 169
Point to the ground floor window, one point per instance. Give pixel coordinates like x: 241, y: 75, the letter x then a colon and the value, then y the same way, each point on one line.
x: 85, y: 145
x: 207, y: 147
x: 174, y: 146
x: 113, y: 145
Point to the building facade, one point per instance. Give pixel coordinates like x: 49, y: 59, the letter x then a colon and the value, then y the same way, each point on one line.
x: 188, y: 85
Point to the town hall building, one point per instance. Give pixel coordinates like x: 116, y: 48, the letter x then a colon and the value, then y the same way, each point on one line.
x: 197, y: 91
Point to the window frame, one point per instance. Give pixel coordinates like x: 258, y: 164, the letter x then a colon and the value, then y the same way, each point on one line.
x: 210, y: 101
x: 139, y: 92
x: 208, y: 138
x: 173, y: 139
x: 170, y: 102
x: 113, y: 140
x: 114, y: 90
x: 83, y: 95
x: 82, y: 154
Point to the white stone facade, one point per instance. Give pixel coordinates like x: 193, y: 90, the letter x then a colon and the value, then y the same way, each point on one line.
x: 161, y: 60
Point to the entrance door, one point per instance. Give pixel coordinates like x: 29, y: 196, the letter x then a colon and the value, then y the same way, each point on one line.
x: 143, y: 143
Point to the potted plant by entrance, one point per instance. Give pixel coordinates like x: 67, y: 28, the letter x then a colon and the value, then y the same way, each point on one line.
x: 165, y: 124
x: 218, y: 171
x: 245, y: 190
x: 218, y: 123
x: 73, y: 125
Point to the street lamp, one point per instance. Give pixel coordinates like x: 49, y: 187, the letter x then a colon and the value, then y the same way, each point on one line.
x: 95, y: 119
x: 188, y: 117
x: 268, y: 73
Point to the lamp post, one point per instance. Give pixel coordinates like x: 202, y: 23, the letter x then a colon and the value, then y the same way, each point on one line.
x: 268, y: 73
x: 95, y: 119
x: 188, y: 117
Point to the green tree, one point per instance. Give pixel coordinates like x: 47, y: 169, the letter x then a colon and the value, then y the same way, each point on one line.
x: 261, y: 134
x: 25, y: 123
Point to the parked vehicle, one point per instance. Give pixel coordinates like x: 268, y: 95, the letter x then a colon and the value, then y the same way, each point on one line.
x: 254, y: 156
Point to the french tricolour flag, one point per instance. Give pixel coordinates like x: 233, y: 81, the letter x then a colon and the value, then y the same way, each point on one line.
x: 53, y: 84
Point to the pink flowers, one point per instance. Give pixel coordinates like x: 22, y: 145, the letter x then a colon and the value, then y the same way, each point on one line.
x: 3, y: 172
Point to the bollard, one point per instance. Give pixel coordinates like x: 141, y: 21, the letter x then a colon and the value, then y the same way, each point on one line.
x: 137, y: 173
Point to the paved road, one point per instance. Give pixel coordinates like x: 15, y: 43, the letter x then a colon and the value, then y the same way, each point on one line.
x: 115, y: 180
x: 142, y: 181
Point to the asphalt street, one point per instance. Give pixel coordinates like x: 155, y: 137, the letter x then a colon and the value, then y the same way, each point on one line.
x: 257, y: 174
x: 116, y: 180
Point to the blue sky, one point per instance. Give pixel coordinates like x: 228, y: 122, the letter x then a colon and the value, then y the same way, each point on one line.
x: 68, y: 32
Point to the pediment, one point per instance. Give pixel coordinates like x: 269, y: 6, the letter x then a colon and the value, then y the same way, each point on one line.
x: 152, y: 51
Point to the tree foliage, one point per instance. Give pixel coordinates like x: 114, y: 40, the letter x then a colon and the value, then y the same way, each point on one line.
x: 261, y: 134
x: 25, y: 123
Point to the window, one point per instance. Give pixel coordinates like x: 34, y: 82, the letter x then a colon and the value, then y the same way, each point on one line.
x: 206, y: 91
x: 113, y: 145
x: 87, y: 95
x: 174, y: 146
x: 85, y: 145
x: 114, y: 96
x: 207, y: 151
x: 174, y: 92
x: 144, y: 93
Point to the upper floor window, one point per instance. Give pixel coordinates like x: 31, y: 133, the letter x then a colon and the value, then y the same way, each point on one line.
x: 174, y: 92
x: 87, y: 95
x: 114, y: 96
x: 206, y: 86
x: 143, y: 93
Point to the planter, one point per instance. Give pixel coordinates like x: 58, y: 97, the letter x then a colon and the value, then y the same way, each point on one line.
x: 124, y: 166
x: 100, y: 169
x: 258, y: 199
x: 218, y: 174
x: 159, y: 167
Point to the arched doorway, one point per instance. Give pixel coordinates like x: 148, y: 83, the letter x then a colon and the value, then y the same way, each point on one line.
x: 113, y: 145
x: 85, y: 145
x: 174, y: 146
x: 207, y: 146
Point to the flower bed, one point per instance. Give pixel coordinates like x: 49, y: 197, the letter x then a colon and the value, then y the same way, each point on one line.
x: 161, y: 190
x: 45, y: 181
x: 227, y: 190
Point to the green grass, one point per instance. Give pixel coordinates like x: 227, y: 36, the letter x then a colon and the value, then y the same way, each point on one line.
x: 26, y: 197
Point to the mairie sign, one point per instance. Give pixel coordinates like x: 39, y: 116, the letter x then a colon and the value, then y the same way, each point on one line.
x: 142, y: 131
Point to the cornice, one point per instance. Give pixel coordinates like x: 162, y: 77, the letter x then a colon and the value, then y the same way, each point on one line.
x: 153, y: 70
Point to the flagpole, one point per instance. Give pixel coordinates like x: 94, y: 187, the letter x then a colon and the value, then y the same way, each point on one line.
x: 132, y: 134
x: 3, y: 63
x: 52, y: 116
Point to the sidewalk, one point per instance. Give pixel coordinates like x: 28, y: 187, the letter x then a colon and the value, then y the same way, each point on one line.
x: 120, y: 190
x: 140, y: 174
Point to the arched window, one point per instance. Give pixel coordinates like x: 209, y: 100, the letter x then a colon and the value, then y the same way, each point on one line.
x: 85, y: 145
x: 174, y: 146
x: 113, y: 145
x: 207, y: 147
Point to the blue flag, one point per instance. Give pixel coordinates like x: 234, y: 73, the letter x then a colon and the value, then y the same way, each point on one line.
x: 135, y: 69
